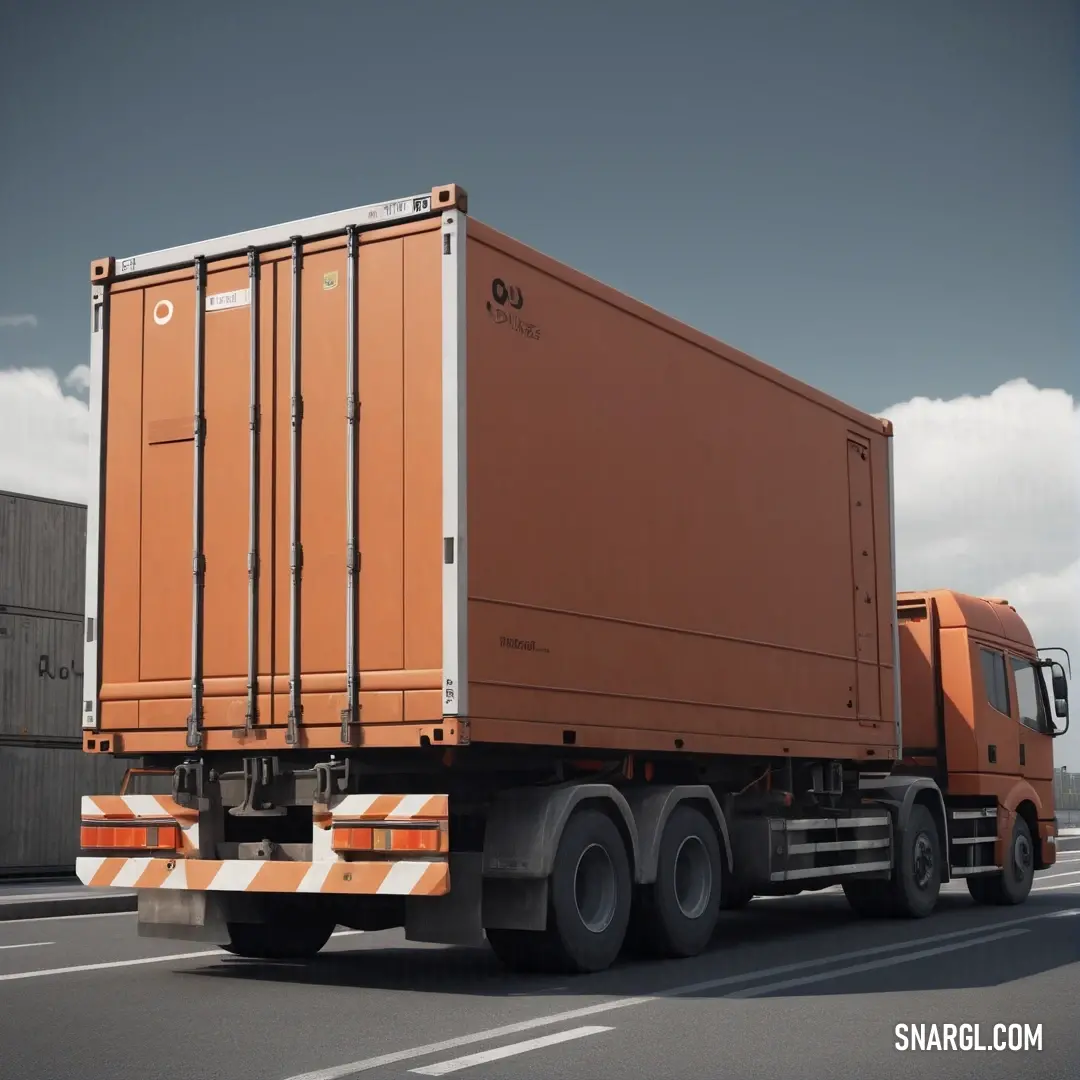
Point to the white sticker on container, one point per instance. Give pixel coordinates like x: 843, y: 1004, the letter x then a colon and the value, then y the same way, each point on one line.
x: 163, y: 312
x: 223, y: 301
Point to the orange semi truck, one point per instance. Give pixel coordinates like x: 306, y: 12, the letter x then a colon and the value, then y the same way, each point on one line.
x: 432, y: 584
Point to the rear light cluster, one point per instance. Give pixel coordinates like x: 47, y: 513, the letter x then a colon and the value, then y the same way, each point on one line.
x: 129, y: 837
x: 428, y: 837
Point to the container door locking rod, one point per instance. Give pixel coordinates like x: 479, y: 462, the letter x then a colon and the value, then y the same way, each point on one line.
x: 251, y: 712
x: 296, y: 551
x: 198, y: 562
x: 351, y: 711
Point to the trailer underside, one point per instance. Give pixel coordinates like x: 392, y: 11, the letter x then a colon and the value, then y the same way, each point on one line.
x: 242, y: 852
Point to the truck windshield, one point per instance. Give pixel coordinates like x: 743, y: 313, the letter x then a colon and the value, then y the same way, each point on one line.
x: 1030, y: 695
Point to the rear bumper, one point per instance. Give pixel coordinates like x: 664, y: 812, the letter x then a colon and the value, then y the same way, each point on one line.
x: 371, y: 877
x: 372, y: 867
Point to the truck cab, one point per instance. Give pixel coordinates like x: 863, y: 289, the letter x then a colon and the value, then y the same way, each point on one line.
x: 978, y: 718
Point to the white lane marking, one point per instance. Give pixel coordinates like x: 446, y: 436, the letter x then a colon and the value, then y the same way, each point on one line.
x: 28, y: 945
x: 109, y: 964
x: 486, y: 1056
x: 1066, y: 873
x: 871, y: 965
x: 1054, y: 888
x: 59, y: 894
x: 132, y: 963
x: 336, y: 1072
x: 35, y: 919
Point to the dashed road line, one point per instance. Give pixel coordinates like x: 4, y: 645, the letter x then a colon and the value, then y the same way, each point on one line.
x: 136, y: 962
x: 871, y: 965
x: 484, y: 1057
x: 974, y: 935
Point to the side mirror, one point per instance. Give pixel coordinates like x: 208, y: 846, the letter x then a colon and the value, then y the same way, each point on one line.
x: 1061, y: 687
x: 1061, y: 695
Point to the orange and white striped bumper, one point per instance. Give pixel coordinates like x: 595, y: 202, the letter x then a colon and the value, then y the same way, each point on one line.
x: 374, y: 877
x: 380, y: 819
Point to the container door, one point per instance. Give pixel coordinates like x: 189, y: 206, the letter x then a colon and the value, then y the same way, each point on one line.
x: 273, y: 492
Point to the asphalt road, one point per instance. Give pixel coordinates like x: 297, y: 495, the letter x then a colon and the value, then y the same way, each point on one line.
x: 791, y: 988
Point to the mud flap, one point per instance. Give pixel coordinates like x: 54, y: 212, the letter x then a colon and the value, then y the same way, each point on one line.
x: 453, y: 919
x: 183, y: 916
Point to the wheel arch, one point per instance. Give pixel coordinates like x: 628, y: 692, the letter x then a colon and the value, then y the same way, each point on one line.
x: 652, y: 807
x: 524, y: 827
x: 902, y: 794
x: 1023, y: 800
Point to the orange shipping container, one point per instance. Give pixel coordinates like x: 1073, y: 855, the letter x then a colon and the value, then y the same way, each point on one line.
x: 390, y: 478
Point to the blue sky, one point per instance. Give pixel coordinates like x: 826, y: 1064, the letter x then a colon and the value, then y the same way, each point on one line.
x: 879, y: 198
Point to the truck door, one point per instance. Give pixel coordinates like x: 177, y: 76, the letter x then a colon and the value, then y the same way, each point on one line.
x: 1032, y: 713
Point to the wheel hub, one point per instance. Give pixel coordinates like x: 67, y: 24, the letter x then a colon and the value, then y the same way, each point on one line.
x: 1023, y: 856
x: 595, y: 888
x: 692, y: 874
x: 923, y: 861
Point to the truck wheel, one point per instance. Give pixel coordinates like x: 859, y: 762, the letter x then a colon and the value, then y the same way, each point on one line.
x: 917, y: 881
x: 869, y: 899
x: 677, y: 915
x: 1013, y: 883
x: 589, y: 899
x: 278, y: 940
x: 590, y: 894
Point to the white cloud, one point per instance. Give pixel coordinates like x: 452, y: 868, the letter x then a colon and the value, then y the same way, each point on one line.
x: 78, y: 379
x: 988, y: 502
x: 44, y: 434
x: 17, y: 320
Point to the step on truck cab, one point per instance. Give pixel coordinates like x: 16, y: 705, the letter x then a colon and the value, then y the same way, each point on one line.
x: 433, y: 584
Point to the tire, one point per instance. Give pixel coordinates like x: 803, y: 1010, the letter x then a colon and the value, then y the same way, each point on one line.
x: 917, y: 882
x: 869, y: 899
x: 676, y: 916
x: 278, y: 940
x: 589, y: 902
x: 1013, y: 883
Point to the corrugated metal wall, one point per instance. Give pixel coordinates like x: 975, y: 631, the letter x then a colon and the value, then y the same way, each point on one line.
x: 43, y: 771
x: 1067, y: 791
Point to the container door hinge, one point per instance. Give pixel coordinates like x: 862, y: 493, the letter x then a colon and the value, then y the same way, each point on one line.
x: 294, y: 720
x: 350, y: 717
x: 194, y: 722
